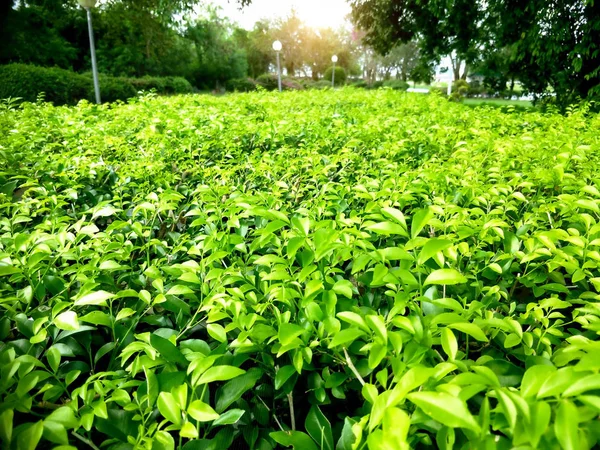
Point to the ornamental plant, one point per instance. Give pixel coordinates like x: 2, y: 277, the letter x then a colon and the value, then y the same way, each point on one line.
x: 318, y: 270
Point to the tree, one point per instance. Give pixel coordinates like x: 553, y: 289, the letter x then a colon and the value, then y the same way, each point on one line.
x: 443, y: 27
x: 539, y: 42
x: 217, y: 57
x: 257, y: 45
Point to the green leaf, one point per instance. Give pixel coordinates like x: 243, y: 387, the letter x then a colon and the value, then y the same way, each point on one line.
x: 124, y: 313
x: 419, y: 220
x: 376, y: 355
x: 6, y: 425
x: 94, y: 298
x: 387, y: 228
x: 67, y: 321
x: 295, y: 439
x: 29, y: 437
x: 540, y: 419
x: 217, y: 332
x: 558, y: 382
x: 377, y: 325
x: 283, y: 374
x: 508, y: 408
x: 229, y: 418
x: 233, y: 390
x: 351, y: 434
x: 220, y: 373
x: 445, y: 408
x: 533, y: 379
x: 55, y: 432
x: 288, y: 332
x: 345, y: 337
x: 396, y: 215
x: 396, y: 424
x: 446, y: 277
x: 189, y: 431
x: 343, y: 287
x: 53, y: 357
x: 319, y: 428
x: 449, y: 343
x: 354, y: 319
x: 431, y: 248
x: 179, y: 290
x: 8, y: 270
x: 64, y: 416
x: 168, y: 350
x: 201, y: 411
x: 471, y: 329
x: 566, y: 426
x: 588, y: 383
x: 168, y: 407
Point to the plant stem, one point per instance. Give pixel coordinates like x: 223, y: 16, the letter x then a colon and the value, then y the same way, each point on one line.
x: 290, y: 397
x: 84, y: 440
x: 352, y: 368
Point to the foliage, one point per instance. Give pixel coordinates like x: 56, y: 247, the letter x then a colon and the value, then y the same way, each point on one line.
x: 326, y: 269
x: 241, y: 85
x: 321, y: 84
x: 59, y: 86
x: 541, y: 43
x: 269, y: 81
x: 397, y: 85
x: 218, y: 59
x: 65, y: 87
x: 340, y: 75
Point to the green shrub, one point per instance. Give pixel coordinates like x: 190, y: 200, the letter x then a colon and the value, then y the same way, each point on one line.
x: 59, y: 86
x: 340, y: 75
x: 213, y: 267
x: 321, y: 84
x: 397, y: 85
x: 241, y: 85
x: 269, y: 82
x: 114, y: 88
x: 162, y: 85
x: 359, y: 84
x: 62, y: 87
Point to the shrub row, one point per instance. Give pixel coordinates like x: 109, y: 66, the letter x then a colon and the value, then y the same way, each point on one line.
x: 269, y: 82
x: 61, y: 86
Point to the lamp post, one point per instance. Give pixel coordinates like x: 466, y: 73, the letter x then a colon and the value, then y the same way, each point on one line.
x: 88, y: 5
x: 277, y: 47
x: 334, y: 59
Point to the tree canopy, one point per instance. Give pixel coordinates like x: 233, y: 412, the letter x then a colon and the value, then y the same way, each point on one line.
x: 542, y: 43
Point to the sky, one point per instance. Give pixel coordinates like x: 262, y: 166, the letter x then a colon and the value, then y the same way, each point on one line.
x: 315, y: 13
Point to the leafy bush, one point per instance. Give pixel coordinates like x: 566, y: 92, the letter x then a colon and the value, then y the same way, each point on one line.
x: 397, y: 85
x: 270, y: 83
x: 348, y: 270
x: 340, y: 75
x: 359, y: 84
x: 28, y: 82
x: 65, y: 87
x: 162, y: 85
x: 321, y: 84
x: 241, y: 85
x: 113, y: 89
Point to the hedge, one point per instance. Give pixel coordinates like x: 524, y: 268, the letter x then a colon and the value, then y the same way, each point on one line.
x: 61, y: 86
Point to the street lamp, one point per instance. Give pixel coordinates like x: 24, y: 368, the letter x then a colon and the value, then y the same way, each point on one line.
x: 334, y: 59
x: 88, y: 5
x: 277, y: 47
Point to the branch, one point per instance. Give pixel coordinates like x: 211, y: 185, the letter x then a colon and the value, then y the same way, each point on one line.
x: 352, y: 368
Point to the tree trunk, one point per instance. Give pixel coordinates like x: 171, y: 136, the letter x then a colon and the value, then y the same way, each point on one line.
x: 465, y: 73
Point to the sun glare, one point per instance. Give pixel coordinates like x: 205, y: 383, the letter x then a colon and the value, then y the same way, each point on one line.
x: 314, y: 13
